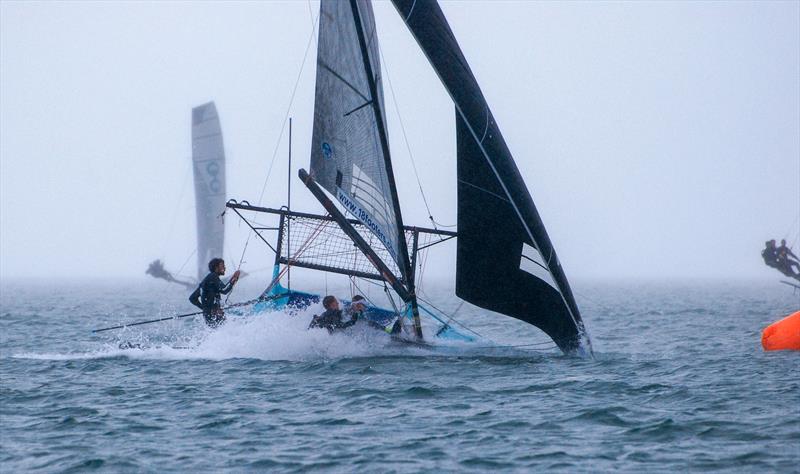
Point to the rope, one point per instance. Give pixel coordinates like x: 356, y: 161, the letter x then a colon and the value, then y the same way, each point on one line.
x: 283, y: 128
x: 360, y: 291
x: 458, y: 308
x: 452, y: 318
x: 423, y: 260
x: 239, y: 266
x: 445, y: 225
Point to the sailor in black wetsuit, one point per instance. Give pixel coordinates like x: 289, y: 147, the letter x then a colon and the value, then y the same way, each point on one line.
x: 787, y: 260
x: 358, y: 307
x: 770, y: 254
x: 331, y: 319
x: 208, y: 297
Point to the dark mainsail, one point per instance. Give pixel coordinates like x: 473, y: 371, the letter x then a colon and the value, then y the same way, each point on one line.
x: 208, y: 159
x: 350, y: 153
x: 505, y: 260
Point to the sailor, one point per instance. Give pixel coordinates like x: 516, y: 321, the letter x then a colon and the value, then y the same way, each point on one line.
x: 770, y: 254
x: 331, y: 319
x: 786, y: 259
x: 358, y: 307
x: 156, y: 269
x: 208, y: 297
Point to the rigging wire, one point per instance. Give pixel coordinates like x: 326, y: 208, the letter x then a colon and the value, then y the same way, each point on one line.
x: 311, y: 14
x: 361, y: 292
x: 298, y: 253
x: 283, y: 127
x: 186, y: 261
x: 289, y: 108
x: 239, y: 266
x: 452, y: 317
x: 791, y: 229
x: 405, y: 136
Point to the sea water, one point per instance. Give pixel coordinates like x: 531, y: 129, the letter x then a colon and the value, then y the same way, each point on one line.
x: 678, y: 382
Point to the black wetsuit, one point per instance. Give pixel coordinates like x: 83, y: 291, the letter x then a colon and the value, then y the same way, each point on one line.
x: 208, y: 297
x: 786, y: 260
x: 770, y: 255
x: 332, y: 320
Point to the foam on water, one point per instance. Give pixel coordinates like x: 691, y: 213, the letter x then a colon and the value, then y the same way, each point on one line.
x: 276, y: 335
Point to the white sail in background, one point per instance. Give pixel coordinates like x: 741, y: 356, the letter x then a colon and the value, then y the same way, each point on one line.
x: 208, y: 162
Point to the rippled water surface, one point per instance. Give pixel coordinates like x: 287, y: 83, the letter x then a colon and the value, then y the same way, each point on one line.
x: 679, y: 383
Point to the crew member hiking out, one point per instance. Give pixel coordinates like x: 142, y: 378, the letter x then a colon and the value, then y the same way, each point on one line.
x: 787, y: 260
x: 208, y: 296
x: 770, y: 254
x: 358, y: 307
x: 331, y: 319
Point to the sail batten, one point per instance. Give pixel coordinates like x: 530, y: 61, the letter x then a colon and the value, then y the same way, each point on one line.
x: 208, y: 163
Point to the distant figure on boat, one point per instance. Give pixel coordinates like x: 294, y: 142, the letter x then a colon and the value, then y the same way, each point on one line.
x: 331, y: 319
x: 156, y: 270
x: 781, y: 258
x: 770, y: 254
x: 208, y: 296
x: 787, y: 260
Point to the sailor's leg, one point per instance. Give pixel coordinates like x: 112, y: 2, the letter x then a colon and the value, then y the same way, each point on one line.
x: 214, y: 317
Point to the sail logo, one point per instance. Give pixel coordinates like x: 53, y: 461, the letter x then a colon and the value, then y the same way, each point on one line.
x: 327, y: 150
x: 214, y: 184
x: 531, y: 262
x: 364, y: 217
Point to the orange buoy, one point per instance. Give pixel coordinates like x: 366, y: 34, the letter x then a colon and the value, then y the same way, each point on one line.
x: 782, y: 335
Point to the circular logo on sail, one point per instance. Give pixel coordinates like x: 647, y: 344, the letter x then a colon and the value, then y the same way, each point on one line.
x: 327, y: 150
x: 214, y: 184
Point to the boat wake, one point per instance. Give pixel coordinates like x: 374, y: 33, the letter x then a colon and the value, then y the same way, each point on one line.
x: 277, y: 335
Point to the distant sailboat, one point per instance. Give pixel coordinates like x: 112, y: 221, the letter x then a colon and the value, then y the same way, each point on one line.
x: 208, y: 164
x: 208, y: 160
x: 505, y: 263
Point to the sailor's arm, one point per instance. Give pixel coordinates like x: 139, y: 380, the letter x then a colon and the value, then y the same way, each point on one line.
x: 353, y: 320
x: 229, y: 286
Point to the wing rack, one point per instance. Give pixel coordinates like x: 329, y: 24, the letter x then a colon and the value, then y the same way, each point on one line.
x: 314, y: 241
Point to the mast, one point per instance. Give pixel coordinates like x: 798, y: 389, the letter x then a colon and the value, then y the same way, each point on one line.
x: 405, y: 265
x: 289, y: 208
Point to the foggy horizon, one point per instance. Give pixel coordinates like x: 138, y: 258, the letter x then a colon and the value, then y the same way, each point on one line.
x: 658, y: 140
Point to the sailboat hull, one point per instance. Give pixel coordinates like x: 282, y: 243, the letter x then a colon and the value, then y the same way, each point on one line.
x: 286, y: 300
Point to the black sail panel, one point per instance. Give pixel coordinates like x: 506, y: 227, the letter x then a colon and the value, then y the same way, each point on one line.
x: 506, y: 261
x: 498, y: 267
x: 349, y: 155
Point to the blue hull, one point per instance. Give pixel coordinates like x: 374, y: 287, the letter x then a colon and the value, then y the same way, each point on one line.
x: 281, y: 299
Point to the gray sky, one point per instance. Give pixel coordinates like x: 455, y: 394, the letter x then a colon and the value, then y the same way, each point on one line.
x: 657, y: 139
